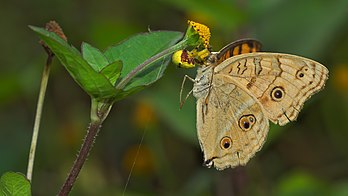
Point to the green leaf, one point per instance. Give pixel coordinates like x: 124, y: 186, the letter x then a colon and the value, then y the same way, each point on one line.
x: 94, y: 57
x: 112, y: 71
x: 138, y: 49
x: 93, y: 71
x: 123, y: 94
x: 94, y: 83
x: 152, y: 73
x: 12, y: 184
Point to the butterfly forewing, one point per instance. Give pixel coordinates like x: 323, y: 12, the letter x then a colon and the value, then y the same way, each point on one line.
x: 281, y: 82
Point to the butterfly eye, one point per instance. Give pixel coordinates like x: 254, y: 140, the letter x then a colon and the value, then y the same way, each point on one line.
x: 226, y: 143
x: 277, y: 93
x: 246, y: 122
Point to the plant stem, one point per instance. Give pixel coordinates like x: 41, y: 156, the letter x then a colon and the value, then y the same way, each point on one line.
x: 99, y: 111
x: 43, y: 87
x: 93, y: 130
x: 154, y: 58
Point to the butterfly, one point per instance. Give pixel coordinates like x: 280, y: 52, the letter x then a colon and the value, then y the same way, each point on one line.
x: 240, y: 89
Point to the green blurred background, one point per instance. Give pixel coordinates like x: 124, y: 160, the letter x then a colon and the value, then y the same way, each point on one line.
x: 306, y: 157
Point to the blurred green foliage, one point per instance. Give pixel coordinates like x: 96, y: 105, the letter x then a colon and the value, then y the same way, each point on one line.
x: 306, y: 157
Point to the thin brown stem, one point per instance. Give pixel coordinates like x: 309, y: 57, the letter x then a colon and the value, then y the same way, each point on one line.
x: 87, y: 145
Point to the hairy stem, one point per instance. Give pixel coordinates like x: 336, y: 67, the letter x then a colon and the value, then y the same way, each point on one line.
x: 44, y: 81
x: 99, y: 111
x: 92, y: 132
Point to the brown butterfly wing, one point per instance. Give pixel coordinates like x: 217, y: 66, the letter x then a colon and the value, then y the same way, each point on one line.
x: 229, y: 113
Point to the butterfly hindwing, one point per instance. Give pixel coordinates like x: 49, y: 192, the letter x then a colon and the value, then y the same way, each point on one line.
x: 231, y: 125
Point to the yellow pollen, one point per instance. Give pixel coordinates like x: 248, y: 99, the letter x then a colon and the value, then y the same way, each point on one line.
x: 202, y: 30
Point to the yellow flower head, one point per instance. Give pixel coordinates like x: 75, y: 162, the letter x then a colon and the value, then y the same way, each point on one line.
x: 194, y: 48
x: 202, y: 30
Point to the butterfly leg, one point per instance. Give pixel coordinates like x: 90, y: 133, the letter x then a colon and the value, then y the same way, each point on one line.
x: 182, y: 87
